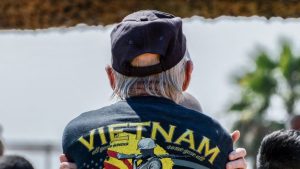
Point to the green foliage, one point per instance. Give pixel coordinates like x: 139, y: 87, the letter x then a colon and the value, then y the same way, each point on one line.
x: 257, y: 87
x: 285, y: 63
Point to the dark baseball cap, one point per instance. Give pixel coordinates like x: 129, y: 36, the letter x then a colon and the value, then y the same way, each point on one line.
x: 147, y: 31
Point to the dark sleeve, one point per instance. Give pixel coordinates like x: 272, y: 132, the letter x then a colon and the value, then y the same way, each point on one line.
x: 224, y: 140
x: 75, y: 129
x: 80, y: 126
x: 69, y: 135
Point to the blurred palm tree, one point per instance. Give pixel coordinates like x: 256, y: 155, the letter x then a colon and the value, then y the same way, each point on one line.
x: 272, y: 76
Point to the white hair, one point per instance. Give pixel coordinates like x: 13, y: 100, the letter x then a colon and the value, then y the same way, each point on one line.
x: 166, y: 84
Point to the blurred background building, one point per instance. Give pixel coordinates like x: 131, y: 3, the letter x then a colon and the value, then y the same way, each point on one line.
x: 38, y: 14
x: 53, y: 54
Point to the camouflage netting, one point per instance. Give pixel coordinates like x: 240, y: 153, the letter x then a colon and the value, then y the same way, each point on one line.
x: 33, y: 14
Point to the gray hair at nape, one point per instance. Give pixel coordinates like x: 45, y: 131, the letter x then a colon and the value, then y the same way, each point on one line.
x: 166, y: 84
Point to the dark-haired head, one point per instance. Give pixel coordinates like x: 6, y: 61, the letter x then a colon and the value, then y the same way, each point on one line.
x: 280, y: 150
x: 14, y: 162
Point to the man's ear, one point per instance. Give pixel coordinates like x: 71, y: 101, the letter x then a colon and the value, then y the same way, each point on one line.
x: 111, y: 76
x: 188, y: 74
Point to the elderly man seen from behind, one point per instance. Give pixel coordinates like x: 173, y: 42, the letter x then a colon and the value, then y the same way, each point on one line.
x: 150, y: 71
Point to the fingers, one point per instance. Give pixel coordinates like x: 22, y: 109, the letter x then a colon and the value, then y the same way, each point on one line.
x: 237, y: 164
x: 64, y: 164
x: 67, y: 165
x: 238, y: 153
x: 237, y: 159
x: 235, y: 135
x: 63, y: 158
